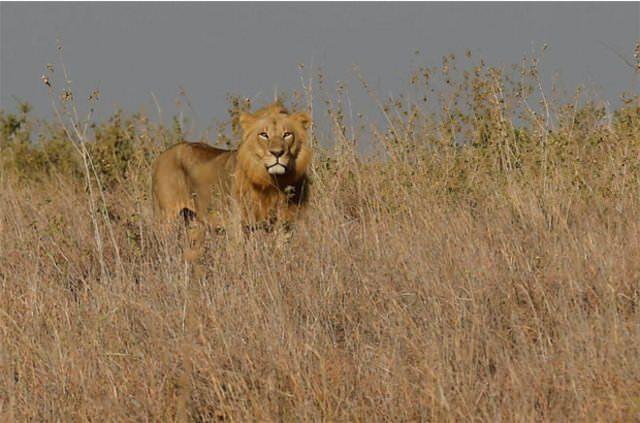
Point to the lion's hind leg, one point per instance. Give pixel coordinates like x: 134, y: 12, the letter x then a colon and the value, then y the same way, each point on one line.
x: 196, y: 231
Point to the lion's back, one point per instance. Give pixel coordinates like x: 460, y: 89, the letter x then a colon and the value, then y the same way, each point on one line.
x: 183, y: 169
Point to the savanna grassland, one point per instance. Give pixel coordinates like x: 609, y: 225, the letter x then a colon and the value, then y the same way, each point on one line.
x: 481, y: 261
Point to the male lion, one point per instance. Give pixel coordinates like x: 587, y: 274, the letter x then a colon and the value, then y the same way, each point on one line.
x: 264, y: 179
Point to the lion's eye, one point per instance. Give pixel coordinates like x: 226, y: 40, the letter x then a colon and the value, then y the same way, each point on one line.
x: 263, y: 135
x: 287, y: 136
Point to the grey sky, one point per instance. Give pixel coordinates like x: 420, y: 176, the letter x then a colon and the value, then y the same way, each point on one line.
x: 131, y: 50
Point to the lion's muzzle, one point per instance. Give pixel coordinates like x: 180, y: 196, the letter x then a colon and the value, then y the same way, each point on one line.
x: 276, y: 163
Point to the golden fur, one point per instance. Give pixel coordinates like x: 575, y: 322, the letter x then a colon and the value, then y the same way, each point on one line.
x: 265, y: 178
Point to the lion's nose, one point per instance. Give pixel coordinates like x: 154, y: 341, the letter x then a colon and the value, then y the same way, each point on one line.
x: 277, y: 151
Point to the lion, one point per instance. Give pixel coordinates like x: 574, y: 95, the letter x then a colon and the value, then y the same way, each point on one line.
x: 264, y: 179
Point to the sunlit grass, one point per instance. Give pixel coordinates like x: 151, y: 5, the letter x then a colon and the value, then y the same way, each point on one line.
x: 485, y: 264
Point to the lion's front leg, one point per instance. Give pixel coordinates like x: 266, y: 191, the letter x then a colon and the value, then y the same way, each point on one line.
x: 288, y: 214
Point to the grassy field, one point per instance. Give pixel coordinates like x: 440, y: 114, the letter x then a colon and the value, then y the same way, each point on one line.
x: 483, y: 263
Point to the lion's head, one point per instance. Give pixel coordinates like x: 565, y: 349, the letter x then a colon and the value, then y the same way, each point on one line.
x: 274, y: 148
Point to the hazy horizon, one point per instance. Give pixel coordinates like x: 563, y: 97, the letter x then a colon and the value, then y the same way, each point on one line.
x: 129, y: 50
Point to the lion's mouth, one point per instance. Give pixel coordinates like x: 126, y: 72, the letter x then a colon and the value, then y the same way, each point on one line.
x: 276, y: 169
x: 276, y: 165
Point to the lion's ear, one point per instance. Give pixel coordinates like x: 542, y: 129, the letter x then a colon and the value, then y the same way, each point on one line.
x: 246, y: 119
x: 304, y: 118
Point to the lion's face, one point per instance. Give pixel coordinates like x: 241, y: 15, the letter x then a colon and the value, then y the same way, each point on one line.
x: 275, y: 143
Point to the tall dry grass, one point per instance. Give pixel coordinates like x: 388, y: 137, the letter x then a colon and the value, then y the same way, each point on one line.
x: 485, y: 265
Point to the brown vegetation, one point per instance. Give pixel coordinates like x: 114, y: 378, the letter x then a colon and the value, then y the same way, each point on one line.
x: 483, y: 264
